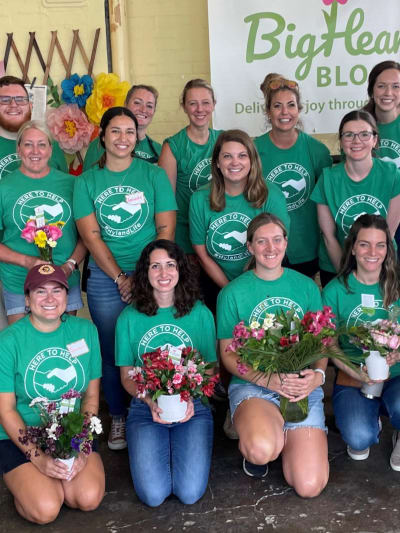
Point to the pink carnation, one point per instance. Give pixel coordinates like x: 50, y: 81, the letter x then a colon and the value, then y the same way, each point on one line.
x: 242, y: 369
x: 198, y: 379
x: 394, y: 342
x: 258, y: 333
x: 28, y: 233
x: 54, y: 232
x: 70, y: 127
x: 177, y: 379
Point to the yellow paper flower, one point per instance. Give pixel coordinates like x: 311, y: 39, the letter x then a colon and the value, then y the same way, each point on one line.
x: 108, y: 91
x: 40, y: 239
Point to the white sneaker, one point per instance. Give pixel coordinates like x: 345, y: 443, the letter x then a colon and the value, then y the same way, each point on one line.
x: 116, y: 437
x: 395, y: 457
x: 358, y: 455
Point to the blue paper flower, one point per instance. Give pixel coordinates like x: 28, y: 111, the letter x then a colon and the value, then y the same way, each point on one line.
x: 76, y: 89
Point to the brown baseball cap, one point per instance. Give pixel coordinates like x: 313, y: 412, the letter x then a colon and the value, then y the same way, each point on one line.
x: 42, y: 274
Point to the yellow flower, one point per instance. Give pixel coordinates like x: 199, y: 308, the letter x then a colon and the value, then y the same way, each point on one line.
x: 40, y: 239
x: 107, y: 92
x: 79, y: 89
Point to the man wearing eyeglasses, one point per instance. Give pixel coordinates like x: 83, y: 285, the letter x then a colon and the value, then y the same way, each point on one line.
x: 15, y: 110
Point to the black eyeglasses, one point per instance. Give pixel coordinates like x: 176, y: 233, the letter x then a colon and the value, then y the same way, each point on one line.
x: 364, y: 136
x: 19, y: 100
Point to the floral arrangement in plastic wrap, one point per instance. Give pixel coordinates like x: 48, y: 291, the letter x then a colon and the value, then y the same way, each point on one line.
x: 285, y: 344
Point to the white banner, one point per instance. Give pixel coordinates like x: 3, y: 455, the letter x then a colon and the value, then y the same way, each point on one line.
x: 327, y: 46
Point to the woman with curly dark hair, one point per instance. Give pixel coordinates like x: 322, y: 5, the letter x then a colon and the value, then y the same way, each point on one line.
x: 166, y: 313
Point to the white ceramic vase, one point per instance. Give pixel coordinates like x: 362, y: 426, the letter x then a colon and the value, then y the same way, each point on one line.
x: 377, y: 366
x: 173, y: 410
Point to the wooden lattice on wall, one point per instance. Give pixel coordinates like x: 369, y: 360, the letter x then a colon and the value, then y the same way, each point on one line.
x: 54, y: 45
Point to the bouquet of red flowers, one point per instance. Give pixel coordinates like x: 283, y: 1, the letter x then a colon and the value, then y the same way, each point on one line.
x: 166, y: 373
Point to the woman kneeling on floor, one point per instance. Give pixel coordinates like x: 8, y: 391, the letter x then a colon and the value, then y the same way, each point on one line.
x: 37, y: 360
x: 254, y: 400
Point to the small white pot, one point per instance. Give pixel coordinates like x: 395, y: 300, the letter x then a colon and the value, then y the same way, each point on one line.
x: 173, y: 410
x: 69, y: 462
x: 377, y: 366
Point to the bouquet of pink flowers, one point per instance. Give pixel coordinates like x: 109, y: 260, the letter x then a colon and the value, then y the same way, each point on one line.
x: 44, y: 236
x: 166, y: 373
x: 382, y: 337
x: 64, y: 432
x: 284, y: 344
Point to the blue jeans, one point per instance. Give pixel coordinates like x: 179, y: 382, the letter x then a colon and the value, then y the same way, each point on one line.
x: 169, y: 459
x: 105, y: 306
x: 357, y: 417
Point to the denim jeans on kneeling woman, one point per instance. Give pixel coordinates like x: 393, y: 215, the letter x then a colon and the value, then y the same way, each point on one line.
x: 169, y: 458
x: 357, y: 417
x: 105, y: 306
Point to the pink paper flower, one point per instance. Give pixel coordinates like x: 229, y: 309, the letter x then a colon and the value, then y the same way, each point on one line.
x: 70, y: 127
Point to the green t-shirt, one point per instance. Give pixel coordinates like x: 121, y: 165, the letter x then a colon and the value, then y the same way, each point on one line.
x: 126, y: 225
x: 34, y: 363
x: 358, y: 305
x: 19, y: 195
x: 249, y: 298
x: 389, y: 146
x: 348, y: 199
x: 146, y: 149
x: 10, y: 161
x: 224, y: 232
x: 193, y: 163
x: 295, y: 171
x: 137, y: 333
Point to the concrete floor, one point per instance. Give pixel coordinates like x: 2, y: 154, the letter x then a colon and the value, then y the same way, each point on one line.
x: 361, y: 497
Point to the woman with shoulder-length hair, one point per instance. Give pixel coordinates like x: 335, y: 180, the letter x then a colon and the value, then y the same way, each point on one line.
x: 360, y: 184
x: 268, y: 287
x: 366, y: 289
x: 120, y: 205
x: 220, y: 213
x: 293, y: 161
x: 165, y: 458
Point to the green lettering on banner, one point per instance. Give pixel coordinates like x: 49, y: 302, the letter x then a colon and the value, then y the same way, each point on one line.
x: 355, y: 42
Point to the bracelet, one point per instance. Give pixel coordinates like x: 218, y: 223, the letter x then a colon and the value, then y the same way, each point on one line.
x: 119, y: 275
x: 322, y: 372
x: 71, y: 266
x: 72, y: 262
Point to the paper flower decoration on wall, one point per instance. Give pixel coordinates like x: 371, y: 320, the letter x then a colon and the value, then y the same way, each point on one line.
x: 108, y: 91
x: 76, y: 89
x: 70, y: 127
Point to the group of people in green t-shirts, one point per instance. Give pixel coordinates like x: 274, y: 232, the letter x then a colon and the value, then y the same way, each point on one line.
x: 254, y: 221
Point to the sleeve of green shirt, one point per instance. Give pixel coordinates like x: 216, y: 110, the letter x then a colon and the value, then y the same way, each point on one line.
x: 123, y: 333
x: 318, y: 195
x: 7, y: 362
x: 227, y: 316
x: 320, y: 156
x: 396, y: 182
x: 207, y: 334
x: 93, y: 154
x: 94, y: 352
x: 82, y: 203
x: 197, y: 223
x: 164, y: 195
x: 315, y: 297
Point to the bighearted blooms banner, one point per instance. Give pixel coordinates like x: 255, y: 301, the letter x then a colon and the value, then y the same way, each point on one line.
x: 327, y: 46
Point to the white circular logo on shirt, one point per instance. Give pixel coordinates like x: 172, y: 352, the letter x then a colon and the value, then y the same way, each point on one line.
x: 55, y: 208
x: 294, y: 181
x: 200, y: 175
x: 273, y: 304
x: 163, y: 336
x: 361, y: 314
x: 118, y: 217
x: 227, y: 235
x: 53, y: 372
x: 393, y: 148
x: 354, y: 207
x: 8, y: 164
